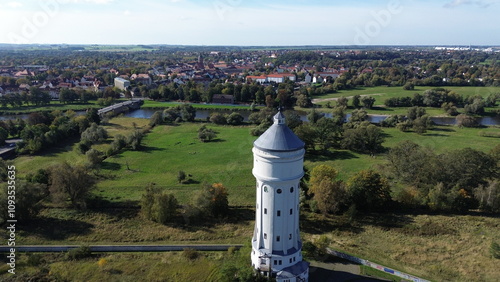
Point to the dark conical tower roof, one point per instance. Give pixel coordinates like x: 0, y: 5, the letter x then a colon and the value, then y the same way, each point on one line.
x: 279, y: 137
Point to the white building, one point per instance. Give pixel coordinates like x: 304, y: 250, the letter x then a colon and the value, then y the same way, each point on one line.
x: 278, y: 168
x: 121, y: 83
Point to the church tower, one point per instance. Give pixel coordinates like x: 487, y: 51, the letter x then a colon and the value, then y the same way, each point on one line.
x: 278, y: 167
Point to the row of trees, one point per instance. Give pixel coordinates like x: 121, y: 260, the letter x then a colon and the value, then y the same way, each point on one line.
x: 446, y: 99
x: 61, y: 184
x: 162, y: 207
x: 43, y: 130
x: 414, y: 177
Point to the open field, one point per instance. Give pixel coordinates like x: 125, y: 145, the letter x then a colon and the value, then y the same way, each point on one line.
x: 381, y: 93
x: 54, y: 105
x: 436, y: 247
x: 169, y: 149
x: 162, y: 105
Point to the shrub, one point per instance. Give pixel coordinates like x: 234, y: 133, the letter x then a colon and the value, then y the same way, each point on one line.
x: 217, y: 118
x: 206, y: 134
x: 190, y: 254
x: 79, y: 253
x: 495, y: 250
x: 35, y: 259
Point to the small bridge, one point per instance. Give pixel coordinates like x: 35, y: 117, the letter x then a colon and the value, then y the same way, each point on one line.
x: 121, y: 107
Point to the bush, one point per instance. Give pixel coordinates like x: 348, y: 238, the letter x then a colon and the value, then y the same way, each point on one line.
x: 35, y: 259
x: 218, y: 118
x: 464, y: 120
x: 157, y: 205
x: 495, y: 250
x: 234, y: 119
x: 190, y: 254
x: 78, y: 253
x: 206, y: 134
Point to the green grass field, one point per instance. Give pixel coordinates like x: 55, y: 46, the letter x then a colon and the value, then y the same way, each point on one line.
x: 54, y: 105
x: 455, y: 249
x: 161, y: 105
x: 381, y: 93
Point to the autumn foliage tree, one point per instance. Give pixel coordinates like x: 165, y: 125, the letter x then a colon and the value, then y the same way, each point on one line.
x: 71, y: 182
x: 212, y: 200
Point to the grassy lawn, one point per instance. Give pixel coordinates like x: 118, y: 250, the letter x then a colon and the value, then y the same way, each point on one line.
x: 381, y: 93
x: 119, y: 267
x: 170, y: 149
x: 54, y: 105
x: 451, y: 247
x: 435, y: 247
x: 161, y: 105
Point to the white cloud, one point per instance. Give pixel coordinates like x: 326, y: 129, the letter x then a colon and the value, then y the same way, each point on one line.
x: 480, y: 3
x: 14, y: 4
x: 86, y: 1
x: 126, y: 13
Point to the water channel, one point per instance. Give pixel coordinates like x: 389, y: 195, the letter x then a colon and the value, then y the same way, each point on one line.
x: 204, y: 114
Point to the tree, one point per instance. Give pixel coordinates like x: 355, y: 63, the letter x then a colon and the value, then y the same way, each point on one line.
x: 94, y: 134
x: 358, y: 115
x: 157, y: 205
x: 94, y: 158
x: 364, y: 139
x: 320, y: 173
x: 331, y: 196
x: 181, y: 176
x: 217, y: 118
x: 206, y: 134
x: 328, y: 133
x: 464, y: 120
x: 71, y: 182
x: 368, y: 102
x: 212, y: 200
x: 409, y: 86
x: 342, y: 101
x: 156, y: 119
x: 369, y: 191
x: 234, y: 118
x: 467, y: 168
x: 28, y: 199
x: 188, y: 112
x: 3, y: 135
x: 489, y: 196
x: 307, y: 134
x: 412, y: 164
x: 356, y: 101
x: 134, y: 139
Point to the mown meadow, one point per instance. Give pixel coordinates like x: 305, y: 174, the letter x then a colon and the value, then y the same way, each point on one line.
x: 436, y: 247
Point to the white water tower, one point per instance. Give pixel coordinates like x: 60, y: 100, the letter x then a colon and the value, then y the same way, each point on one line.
x: 278, y: 168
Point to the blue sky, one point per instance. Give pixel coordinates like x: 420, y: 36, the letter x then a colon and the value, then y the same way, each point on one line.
x: 239, y: 22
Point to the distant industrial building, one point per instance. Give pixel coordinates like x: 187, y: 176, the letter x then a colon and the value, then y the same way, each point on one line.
x: 121, y: 83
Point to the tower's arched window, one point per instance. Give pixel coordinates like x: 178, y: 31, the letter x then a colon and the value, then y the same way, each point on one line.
x: 265, y: 189
x: 291, y: 189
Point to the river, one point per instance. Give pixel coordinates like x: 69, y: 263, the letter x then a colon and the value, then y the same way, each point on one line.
x: 204, y: 114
